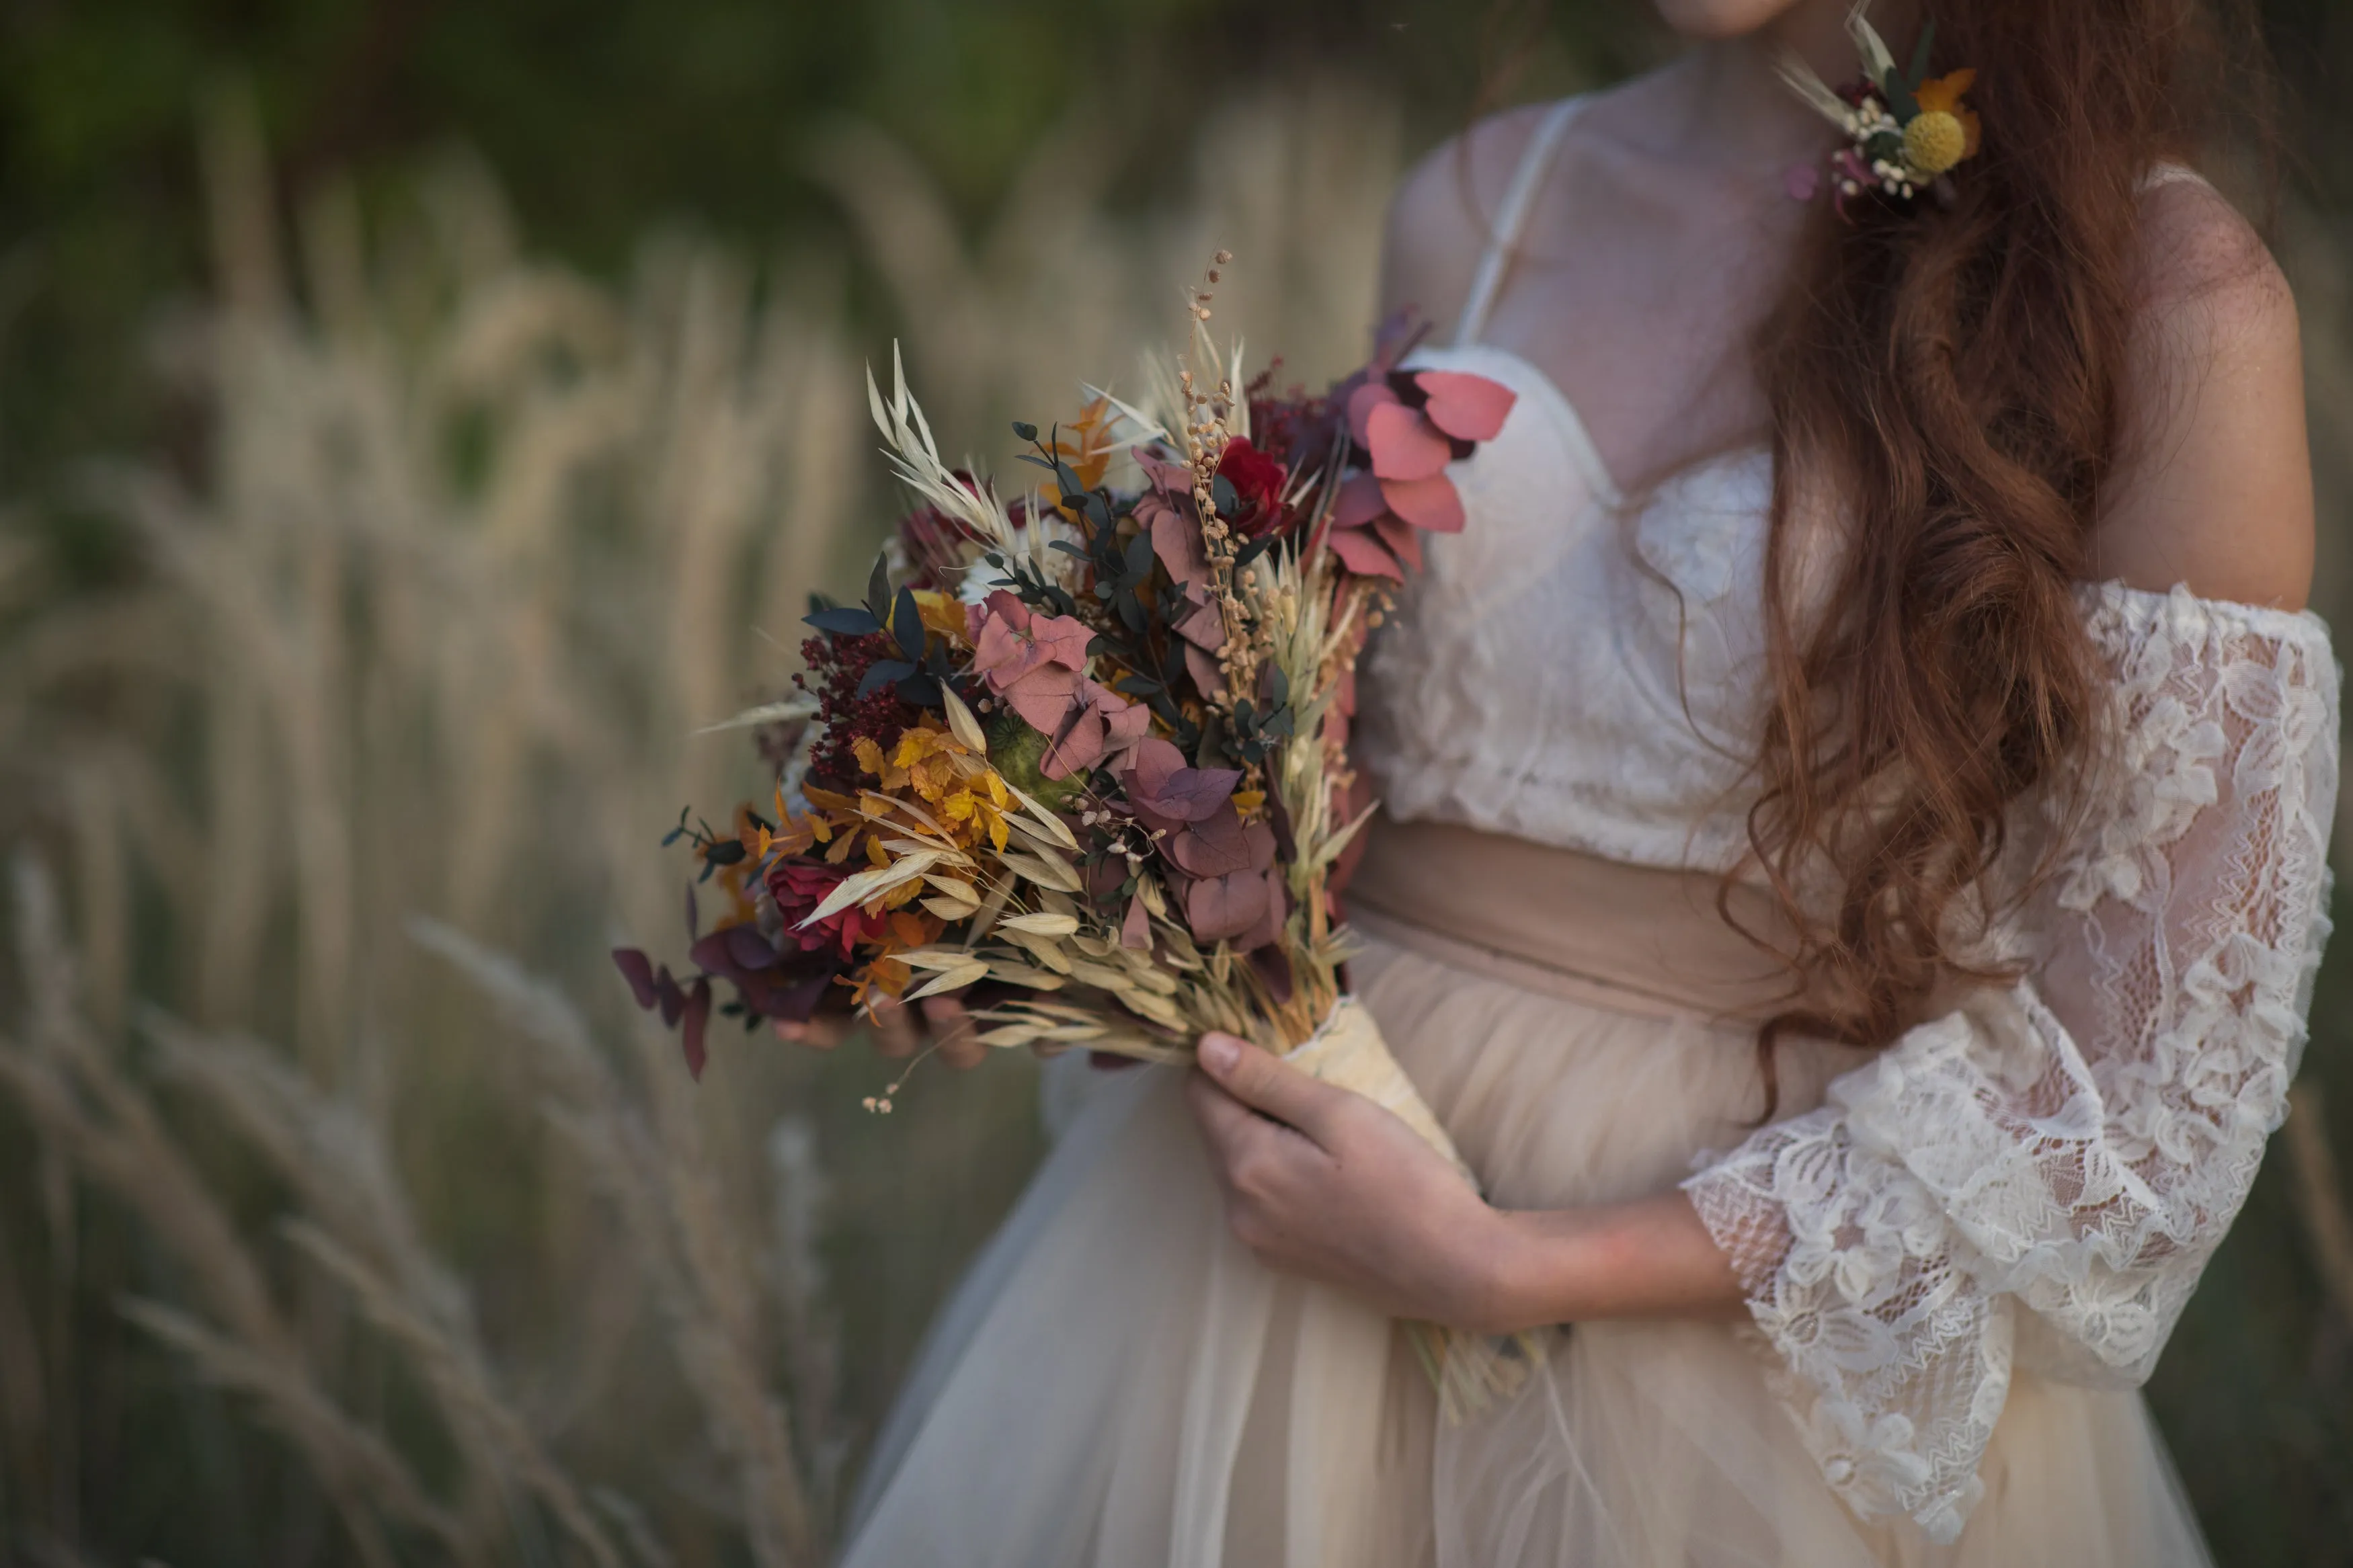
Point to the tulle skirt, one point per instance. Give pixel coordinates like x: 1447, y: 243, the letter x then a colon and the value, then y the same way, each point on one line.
x: 1117, y: 1383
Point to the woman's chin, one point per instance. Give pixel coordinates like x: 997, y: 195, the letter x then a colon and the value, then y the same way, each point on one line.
x: 1715, y: 19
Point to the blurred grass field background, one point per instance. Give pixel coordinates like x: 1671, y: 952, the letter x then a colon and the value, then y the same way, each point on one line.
x: 415, y: 420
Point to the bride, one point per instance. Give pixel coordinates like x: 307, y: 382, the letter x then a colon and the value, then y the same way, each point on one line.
x: 1851, y: 880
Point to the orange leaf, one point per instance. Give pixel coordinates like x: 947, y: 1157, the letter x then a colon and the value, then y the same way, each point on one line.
x: 1943, y: 93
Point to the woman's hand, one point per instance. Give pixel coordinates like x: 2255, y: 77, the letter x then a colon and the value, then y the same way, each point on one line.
x: 1323, y: 1183
x: 945, y: 1021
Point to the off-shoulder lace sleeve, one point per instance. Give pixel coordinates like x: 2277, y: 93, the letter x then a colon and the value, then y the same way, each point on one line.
x: 2042, y: 1175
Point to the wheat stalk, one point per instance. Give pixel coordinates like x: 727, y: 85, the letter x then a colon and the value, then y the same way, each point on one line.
x: 675, y: 1223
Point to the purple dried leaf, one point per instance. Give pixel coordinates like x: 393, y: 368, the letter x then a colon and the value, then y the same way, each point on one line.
x: 638, y: 971
x: 698, y: 1018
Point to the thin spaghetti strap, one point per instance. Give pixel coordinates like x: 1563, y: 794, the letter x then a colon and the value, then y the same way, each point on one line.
x: 2168, y: 172
x: 1518, y: 197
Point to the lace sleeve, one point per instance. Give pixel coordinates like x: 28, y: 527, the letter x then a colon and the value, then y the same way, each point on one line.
x: 2042, y: 1175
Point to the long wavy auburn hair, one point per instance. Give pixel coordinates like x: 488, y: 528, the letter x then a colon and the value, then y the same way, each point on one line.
x: 1951, y: 375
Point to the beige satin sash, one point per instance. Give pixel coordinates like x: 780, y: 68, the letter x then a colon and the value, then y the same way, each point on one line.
x: 1568, y: 924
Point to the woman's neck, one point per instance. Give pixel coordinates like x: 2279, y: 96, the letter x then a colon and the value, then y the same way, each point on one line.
x: 1738, y: 100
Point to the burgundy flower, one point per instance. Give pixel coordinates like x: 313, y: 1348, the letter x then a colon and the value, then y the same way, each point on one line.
x: 1258, y: 481
x: 799, y: 887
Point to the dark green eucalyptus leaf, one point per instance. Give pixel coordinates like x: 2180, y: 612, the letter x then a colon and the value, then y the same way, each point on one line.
x: 1900, y: 101
x: 878, y: 589
x: 907, y: 626
x: 1027, y: 431
x: 1920, y: 56
x: 847, y: 620
x: 1224, y: 497
x: 882, y: 673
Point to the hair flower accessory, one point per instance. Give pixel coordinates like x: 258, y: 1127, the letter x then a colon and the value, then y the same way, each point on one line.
x: 1907, y: 132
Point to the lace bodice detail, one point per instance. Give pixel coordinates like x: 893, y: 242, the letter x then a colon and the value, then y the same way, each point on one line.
x: 2036, y: 1179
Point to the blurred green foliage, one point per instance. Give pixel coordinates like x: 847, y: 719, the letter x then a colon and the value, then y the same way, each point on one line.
x: 601, y: 121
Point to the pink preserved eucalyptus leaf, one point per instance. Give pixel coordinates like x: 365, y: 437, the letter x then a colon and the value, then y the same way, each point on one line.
x: 1243, y: 904
x: 1176, y: 539
x: 1468, y: 407
x: 698, y: 1018
x: 1044, y: 697
x: 1135, y: 930
x: 1102, y: 728
x: 1363, y: 554
x: 1203, y: 623
x: 1404, y: 445
x: 638, y: 971
x: 1221, y: 844
x: 1272, y: 911
x: 1359, y: 502
x: 1433, y: 503
x: 1162, y: 785
x: 1010, y: 642
x: 1361, y: 403
x: 1403, y: 539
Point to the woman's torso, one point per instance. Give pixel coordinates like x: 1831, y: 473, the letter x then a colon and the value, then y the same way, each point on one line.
x: 1578, y: 669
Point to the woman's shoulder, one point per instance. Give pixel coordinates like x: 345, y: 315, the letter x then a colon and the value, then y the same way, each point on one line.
x: 1443, y: 212
x: 2213, y: 479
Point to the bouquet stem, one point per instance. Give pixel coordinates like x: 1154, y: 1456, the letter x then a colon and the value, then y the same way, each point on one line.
x: 1470, y: 1371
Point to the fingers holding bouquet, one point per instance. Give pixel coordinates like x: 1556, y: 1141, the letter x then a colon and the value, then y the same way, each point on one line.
x: 1321, y: 1181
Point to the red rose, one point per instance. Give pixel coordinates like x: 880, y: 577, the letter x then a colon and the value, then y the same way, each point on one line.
x: 1258, y: 481
x: 800, y: 887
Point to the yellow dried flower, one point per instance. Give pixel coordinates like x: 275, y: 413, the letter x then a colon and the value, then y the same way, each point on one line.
x: 1934, y: 142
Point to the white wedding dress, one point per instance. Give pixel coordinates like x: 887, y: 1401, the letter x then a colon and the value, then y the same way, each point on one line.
x: 1962, y: 1254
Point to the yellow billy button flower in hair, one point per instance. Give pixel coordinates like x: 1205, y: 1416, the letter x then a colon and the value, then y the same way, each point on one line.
x: 1946, y: 131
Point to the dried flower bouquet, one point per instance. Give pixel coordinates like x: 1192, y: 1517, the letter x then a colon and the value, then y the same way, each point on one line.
x: 1082, y: 753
